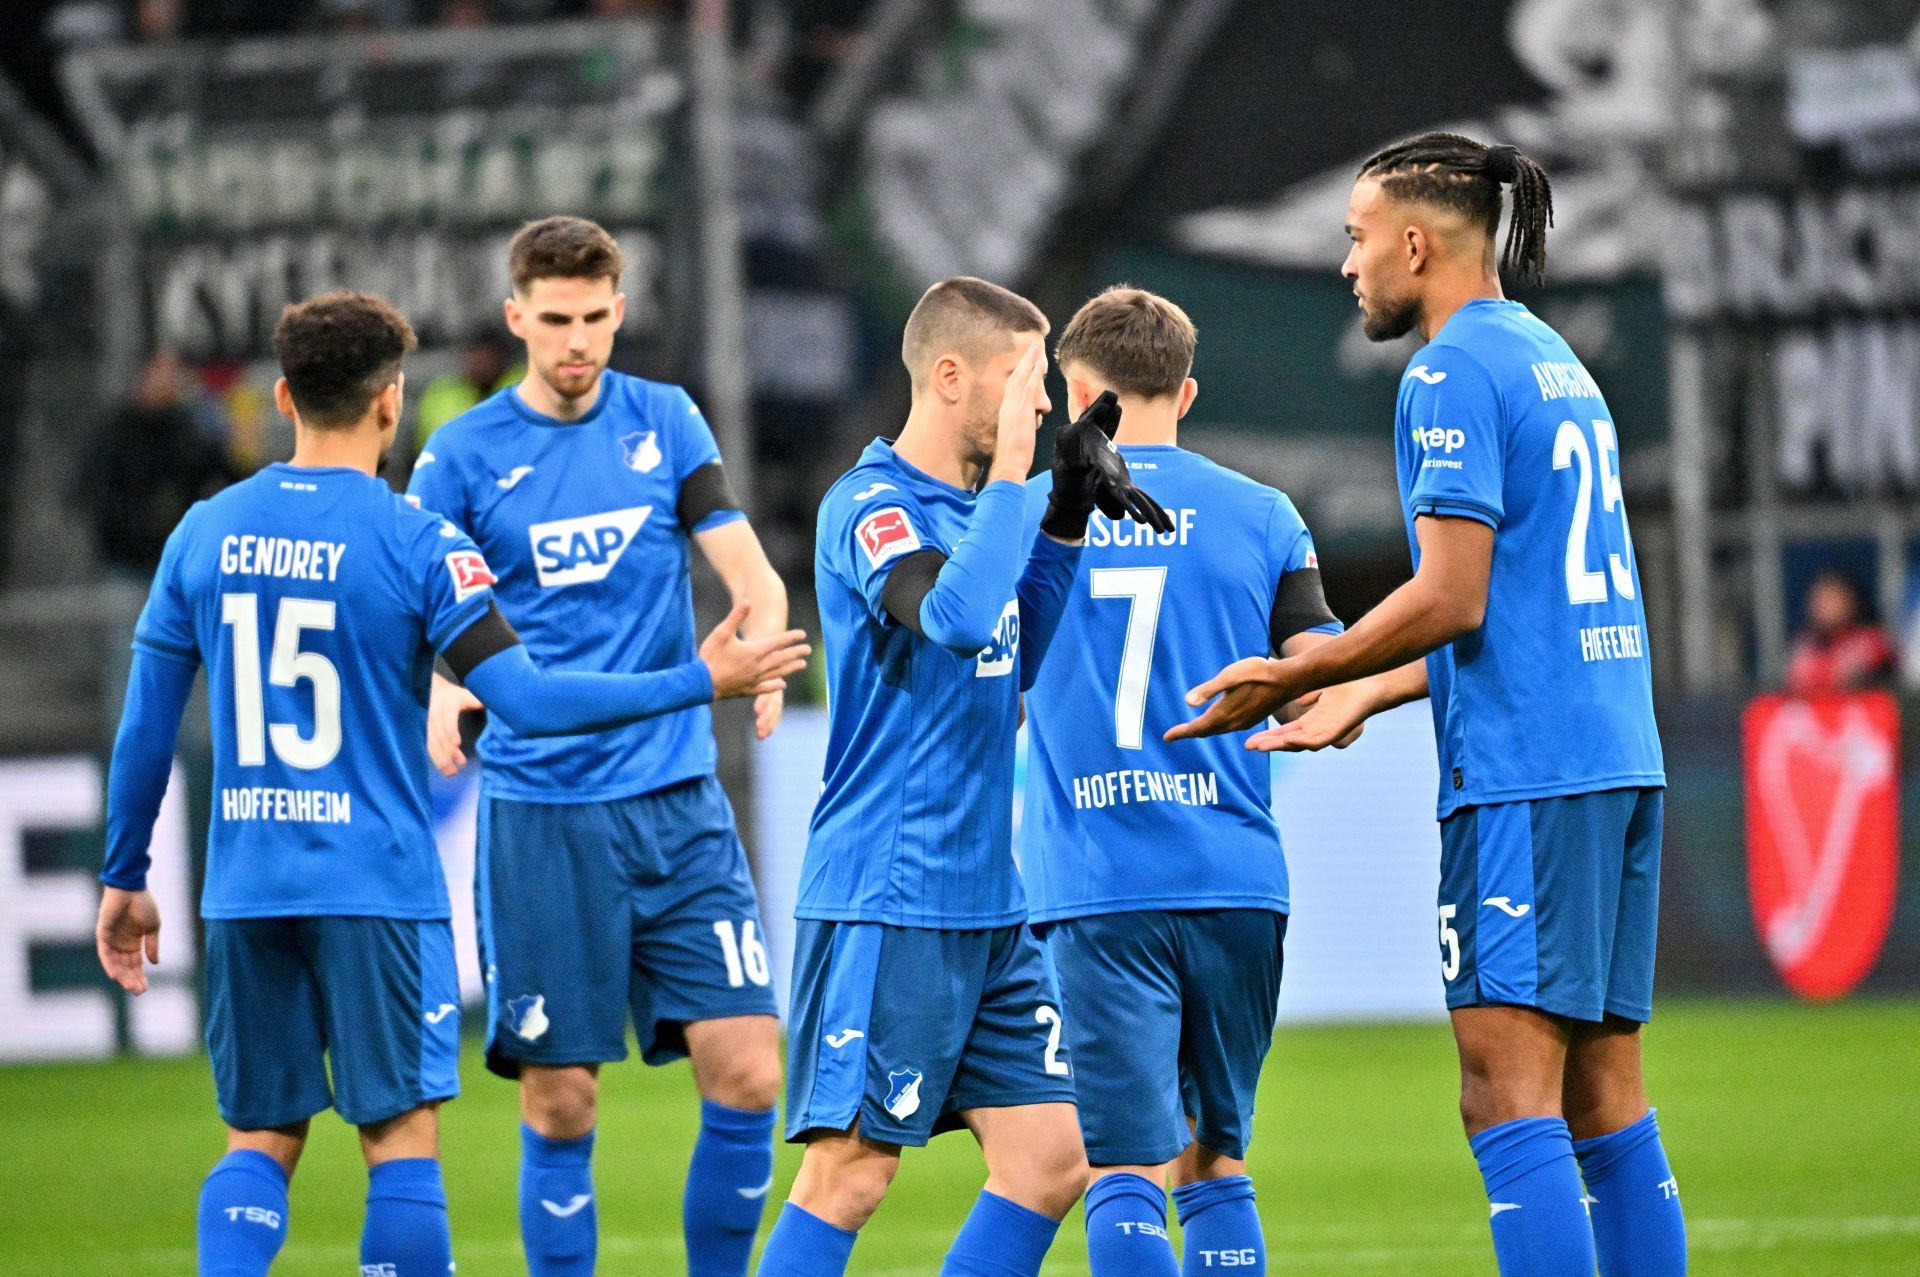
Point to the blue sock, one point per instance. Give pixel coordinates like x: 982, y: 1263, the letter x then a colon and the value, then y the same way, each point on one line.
x: 559, y: 1227
x: 1540, y: 1224
x: 727, y: 1185
x: 243, y: 1215
x: 1000, y: 1239
x: 804, y: 1245
x: 1638, y: 1230
x: 1127, y: 1228
x: 406, y: 1231
x: 1222, y: 1227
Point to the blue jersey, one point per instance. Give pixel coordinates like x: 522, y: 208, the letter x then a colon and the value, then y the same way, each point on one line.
x: 316, y: 599
x: 1117, y: 819
x: 1498, y: 421
x: 914, y: 826
x: 579, y: 520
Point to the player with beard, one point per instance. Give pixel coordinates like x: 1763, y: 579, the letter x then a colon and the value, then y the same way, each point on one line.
x: 610, y: 880
x: 1523, y: 625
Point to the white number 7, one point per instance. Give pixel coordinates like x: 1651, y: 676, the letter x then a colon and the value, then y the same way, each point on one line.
x: 1145, y: 586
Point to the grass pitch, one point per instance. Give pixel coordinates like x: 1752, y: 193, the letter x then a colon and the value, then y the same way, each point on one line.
x: 1794, y: 1131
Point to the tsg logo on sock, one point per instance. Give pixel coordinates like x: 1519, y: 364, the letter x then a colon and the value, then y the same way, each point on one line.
x: 575, y: 551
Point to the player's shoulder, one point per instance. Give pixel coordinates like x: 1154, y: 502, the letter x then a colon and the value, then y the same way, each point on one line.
x: 1220, y: 485
x: 657, y: 403
x: 872, y: 482
x: 469, y: 431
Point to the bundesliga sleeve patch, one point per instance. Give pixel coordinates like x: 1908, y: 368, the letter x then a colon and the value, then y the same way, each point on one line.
x: 886, y: 534
x: 470, y: 574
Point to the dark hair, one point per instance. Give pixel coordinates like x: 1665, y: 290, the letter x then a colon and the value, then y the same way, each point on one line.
x: 337, y: 351
x: 563, y: 248
x: 965, y: 316
x: 1138, y: 342
x: 1464, y: 175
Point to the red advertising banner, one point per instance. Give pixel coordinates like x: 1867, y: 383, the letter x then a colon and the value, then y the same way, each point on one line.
x: 1823, y: 834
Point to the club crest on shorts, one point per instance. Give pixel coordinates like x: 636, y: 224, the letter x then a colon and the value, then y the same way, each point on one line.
x: 642, y: 450
x: 527, y: 1016
x: 903, y: 1093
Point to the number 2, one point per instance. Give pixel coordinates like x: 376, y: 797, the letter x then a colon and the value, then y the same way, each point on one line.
x: 1145, y: 587
x: 1051, y: 1018
x: 1569, y: 446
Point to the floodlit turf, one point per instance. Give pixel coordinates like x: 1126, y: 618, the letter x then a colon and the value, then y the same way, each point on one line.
x: 1795, y: 1133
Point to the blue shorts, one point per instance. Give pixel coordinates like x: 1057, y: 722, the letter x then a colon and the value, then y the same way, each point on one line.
x: 905, y: 1028
x: 590, y: 912
x: 376, y: 1000
x: 1553, y: 903
x: 1170, y: 1015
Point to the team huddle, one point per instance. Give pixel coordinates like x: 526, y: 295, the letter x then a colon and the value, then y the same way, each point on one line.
x: 1097, y: 1011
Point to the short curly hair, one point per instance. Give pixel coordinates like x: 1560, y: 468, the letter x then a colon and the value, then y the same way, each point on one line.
x: 563, y: 248
x: 337, y: 351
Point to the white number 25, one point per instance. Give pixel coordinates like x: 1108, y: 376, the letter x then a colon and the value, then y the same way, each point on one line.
x: 1570, y: 446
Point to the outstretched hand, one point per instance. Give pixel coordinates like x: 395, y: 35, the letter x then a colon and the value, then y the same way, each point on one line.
x: 1336, y: 716
x: 1250, y: 691
x: 751, y: 666
x: 1089, y: 473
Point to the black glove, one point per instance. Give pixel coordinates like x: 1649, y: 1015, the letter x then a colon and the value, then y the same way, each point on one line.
x: 1089, y: 472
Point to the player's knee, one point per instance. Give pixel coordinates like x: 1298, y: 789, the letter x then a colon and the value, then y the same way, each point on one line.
x: 844, y: 1191
x: 561, y: 1104
x: 1488, y: 1099
x: 1052, y: 1179
x: 748, y: 1081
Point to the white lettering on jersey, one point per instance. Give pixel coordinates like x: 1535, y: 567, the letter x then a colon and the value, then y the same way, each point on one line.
x: 249, y: 555
x: 294, y: 806
x: 1102, y: 531
x: 998, y: 658
x: 574, y: 551
x: 1612, y: 643
x: 886, y: 534
x: 1137, y: 785
x: 1562, y: 380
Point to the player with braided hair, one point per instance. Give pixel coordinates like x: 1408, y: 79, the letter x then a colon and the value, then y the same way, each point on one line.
x: 1523, y: 625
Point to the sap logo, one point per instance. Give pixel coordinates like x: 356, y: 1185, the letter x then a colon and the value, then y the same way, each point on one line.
x: 642, y: 451
x: 998, y: 658
x: 1246, y: 1258
x: 527, y: 1016
x: 1141, y: 1228
x: 1431, y: 378
x: 903, y: 1093
x: 254, y: 1215
x: 574, y: 551
x: 1440, y: 439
